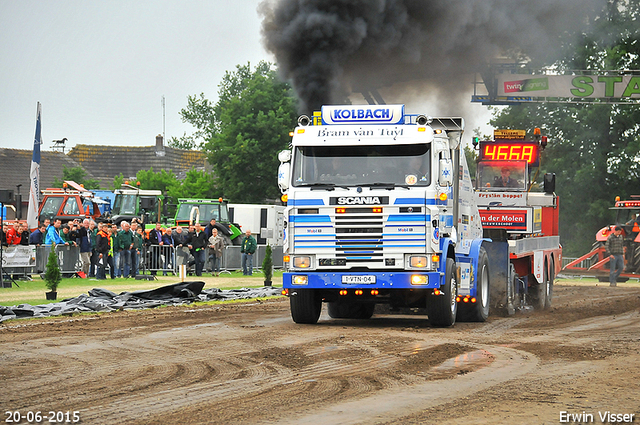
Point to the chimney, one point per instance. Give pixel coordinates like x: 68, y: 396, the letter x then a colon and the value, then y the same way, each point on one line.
x: 159, y: 145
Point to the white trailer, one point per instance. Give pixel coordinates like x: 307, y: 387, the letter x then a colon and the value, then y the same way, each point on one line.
x: 266, y: 222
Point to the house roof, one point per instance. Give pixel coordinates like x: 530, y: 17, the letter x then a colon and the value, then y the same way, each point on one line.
x: 106, y: 162
x: 15, y: 167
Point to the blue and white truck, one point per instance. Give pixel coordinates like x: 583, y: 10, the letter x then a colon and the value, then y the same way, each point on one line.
x: 381, y: 209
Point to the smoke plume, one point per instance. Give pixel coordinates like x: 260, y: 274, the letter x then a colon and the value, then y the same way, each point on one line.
x: 329, y: 49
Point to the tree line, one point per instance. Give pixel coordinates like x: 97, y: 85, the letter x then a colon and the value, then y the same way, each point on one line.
x: 594, y: 149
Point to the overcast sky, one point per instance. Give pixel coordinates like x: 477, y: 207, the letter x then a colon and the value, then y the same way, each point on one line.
x: 100, y: 68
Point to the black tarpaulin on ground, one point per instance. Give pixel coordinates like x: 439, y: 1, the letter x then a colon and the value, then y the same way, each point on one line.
x: 99, y: 299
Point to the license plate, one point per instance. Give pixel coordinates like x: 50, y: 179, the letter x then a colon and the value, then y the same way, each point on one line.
x: 359, y: 279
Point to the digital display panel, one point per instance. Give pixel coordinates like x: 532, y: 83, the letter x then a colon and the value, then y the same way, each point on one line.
x: 510, y: 151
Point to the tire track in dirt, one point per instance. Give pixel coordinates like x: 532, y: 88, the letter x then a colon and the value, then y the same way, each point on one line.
x: 391, y: 404
x: 250, y: 364
x: 346, y: 376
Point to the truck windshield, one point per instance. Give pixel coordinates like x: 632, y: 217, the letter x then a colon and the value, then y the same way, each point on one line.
x: 206, y: 212
x: 51, y: 207
x: 399, y: 165
x: 502, y: 175
x: 124, y: 204
x: 628, y: 216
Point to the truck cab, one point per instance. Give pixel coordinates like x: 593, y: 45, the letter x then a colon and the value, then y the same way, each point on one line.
x: 130, y: 202
x: 69, y: 203
x: 380, y: 210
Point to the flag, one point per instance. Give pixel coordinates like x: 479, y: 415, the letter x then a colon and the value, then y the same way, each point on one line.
x: 34, y: 176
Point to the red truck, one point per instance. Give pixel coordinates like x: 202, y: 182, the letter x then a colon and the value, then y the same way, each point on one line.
x: 69, y: 203
x: 516, y: 209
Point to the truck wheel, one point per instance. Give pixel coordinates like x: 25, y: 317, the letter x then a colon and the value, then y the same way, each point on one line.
x: 348, y: 310
x: 479, y: 311
x: 510, y: 308
x: 305, y: 306
x: 550, y: 278
x: 636, y: 258
x: 540, y: 291
x: 226, y: 241
x: 442, y: 309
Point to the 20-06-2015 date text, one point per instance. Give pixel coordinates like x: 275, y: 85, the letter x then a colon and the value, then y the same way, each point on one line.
x: 51, y: 417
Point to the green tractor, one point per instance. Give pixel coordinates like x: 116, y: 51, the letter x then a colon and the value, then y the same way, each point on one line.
x: 130, y: 202
x: 190, y: 211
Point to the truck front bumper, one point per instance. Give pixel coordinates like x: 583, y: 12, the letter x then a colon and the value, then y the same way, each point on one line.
x: 347, y: 280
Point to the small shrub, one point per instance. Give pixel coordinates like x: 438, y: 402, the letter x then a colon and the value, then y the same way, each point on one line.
x: 267, y: 264
x: 52, y: 276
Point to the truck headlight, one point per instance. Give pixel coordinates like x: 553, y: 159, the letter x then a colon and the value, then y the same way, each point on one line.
x: 302, y: 262
x: 419, y: 279
x: 418, y: 261
x: 299, y: 280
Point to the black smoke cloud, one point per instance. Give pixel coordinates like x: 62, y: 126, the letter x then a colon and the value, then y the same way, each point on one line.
x: 331, y: 48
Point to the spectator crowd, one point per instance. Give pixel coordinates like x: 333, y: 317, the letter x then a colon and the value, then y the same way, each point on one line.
x: 123, y: 249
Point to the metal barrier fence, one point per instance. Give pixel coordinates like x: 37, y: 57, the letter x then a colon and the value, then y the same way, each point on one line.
x: 18, y: 261
x: 585, y: 264
x: 169, y: 259
x: 164, y: 259
x: 68, y: 258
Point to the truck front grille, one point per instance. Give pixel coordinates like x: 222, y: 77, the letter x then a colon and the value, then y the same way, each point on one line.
x: 362, y: 238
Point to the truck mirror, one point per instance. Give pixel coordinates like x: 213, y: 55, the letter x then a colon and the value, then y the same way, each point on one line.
x: 445, y: 176
x: 284, y: 172
x: 455, y: 137
x: 549, y: 182
x: 284, y: 156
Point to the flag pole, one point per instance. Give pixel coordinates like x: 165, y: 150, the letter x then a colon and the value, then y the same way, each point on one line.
x: 34, y: 176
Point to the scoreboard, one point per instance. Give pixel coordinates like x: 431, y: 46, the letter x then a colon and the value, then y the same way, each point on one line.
x: 514, y: 150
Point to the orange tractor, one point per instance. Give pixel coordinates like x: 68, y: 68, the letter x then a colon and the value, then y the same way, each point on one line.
x: 596, y: 262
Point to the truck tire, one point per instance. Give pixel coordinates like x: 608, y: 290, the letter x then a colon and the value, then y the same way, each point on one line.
x: 541, y: 290
x: 442, y: 309
x: 636, y: 258
x: 349, y: 310
x: 305, y: 306
x: 226, y: 241
x: 550, y: 279
x: 479, y: 311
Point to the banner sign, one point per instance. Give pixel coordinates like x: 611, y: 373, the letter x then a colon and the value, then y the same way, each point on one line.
x: 501, y: 199
x: 19, y: 256
x: 363, y: 114
x: 513, y: 220
x: 34, y: 176
x: 504, y: 219
x: 607, y: 87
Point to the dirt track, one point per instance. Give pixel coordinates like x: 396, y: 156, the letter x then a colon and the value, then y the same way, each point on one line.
x: 249, y: 363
